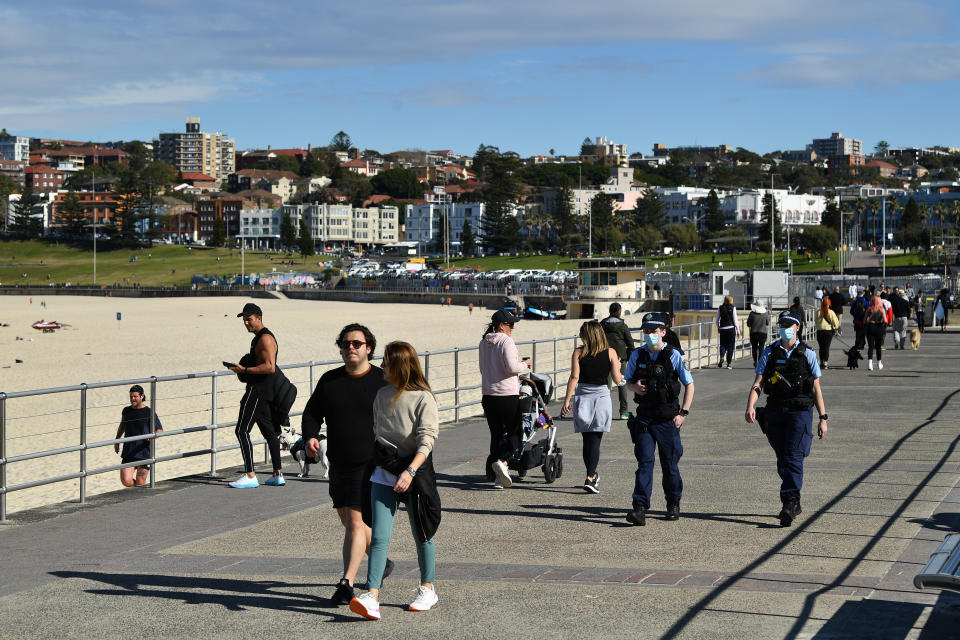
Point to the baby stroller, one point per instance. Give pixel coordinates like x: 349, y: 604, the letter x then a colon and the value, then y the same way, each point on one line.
x: 534, y: 389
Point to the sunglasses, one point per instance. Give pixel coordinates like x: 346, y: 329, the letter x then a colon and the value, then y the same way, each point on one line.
x: 356, y: 344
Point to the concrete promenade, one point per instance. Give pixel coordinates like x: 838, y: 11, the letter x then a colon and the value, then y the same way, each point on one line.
x: 194, y: 558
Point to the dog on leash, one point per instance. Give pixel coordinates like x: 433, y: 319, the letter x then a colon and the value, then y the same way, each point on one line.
x: 290, y: 440
x: 915, y: 339
x: 853, y: 354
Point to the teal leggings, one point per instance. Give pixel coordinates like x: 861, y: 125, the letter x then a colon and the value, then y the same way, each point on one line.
x: 384, y: 502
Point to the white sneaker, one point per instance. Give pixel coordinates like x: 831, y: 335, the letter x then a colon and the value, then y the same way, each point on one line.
x: 498, y: 486
x: 870, y: 364
x: 425, y: 599
x: 880, y: 363
x: 503, y: 473
x: 245, y: 482
x: 366, y: 605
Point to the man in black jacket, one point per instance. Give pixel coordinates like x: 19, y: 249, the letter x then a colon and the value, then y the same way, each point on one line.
x: 620, y: 339
x: 901, y: 317
x: 344, y: 400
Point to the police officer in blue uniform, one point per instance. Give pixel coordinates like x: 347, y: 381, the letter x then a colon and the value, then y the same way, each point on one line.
x: 787, y: 371
x: 655, y: 373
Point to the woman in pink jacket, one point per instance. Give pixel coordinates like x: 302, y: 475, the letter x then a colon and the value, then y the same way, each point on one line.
x: 500, y: 366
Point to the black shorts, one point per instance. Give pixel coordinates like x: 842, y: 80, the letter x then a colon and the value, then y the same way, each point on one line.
x: 346, y: 485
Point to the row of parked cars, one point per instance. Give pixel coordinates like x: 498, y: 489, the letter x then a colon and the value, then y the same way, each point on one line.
x: 367, y: 269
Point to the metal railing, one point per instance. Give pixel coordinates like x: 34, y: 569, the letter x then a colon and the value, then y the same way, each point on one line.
x: 456, y: 385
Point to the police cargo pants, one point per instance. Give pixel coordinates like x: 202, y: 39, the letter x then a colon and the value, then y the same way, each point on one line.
x: 665, y: 436
x: 790, y: 432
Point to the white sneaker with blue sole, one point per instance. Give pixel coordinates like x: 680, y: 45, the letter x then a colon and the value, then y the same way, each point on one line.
x: 245, y: 482
x: 275, y: 481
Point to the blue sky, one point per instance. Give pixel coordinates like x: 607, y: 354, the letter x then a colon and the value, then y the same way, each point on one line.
x: 526, y: 76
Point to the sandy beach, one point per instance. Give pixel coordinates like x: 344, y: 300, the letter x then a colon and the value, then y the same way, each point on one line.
x: 161, y: 337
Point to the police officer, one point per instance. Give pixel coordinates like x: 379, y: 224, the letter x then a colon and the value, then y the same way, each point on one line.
x: 787, y: 371
x: 655, y: 374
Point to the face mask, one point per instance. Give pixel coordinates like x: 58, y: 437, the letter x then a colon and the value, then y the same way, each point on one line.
x: 786, y: 333
x: 651, y: 339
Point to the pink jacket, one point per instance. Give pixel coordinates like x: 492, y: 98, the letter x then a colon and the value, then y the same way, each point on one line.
x: 499, y: 365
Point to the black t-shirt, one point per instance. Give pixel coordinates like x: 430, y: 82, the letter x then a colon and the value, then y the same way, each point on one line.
x: 136, y: 422
x: 345, y: 403
x: 595, y: 369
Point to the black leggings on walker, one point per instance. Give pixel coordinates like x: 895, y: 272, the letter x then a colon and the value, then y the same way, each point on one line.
x: 591, y: 451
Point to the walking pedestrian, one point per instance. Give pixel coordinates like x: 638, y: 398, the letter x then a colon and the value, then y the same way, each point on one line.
x: 758, y: 323
x: 858, y: 309
x: 591, y: 366
x: 788, y: 373
x: 619, y: 338
x: 875, y: 323
x: 837, y: 301
x: 827, y: 325
x: 406, y: 425
x: 266, y: 400
x: 941, y: 309
x: 343, y: 399
x: 729, y: 328
x: 655, y: 373
x: 919, y: 311
x: 135, y: 421
x: 500, y: 366
x: 901, y: 317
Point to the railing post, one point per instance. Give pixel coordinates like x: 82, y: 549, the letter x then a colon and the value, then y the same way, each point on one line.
x: 213, y: 424
x: 3, y: 457
x: 556, y: 368
x: 456, y: 384
x: 311, y: 377
x: 83, y: 443
x: 153, y: 431
x: 426, y: 365
x: 533, y: 357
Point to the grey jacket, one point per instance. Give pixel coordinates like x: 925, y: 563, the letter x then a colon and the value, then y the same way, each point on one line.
x: 758, y: 322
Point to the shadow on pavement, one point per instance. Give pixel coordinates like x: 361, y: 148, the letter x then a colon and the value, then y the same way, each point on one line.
x: 853, y: 621
x: 893, y: 620
x: 241, y: 594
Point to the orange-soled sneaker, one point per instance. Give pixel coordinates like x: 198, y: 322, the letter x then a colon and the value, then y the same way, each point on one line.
x: 366, y: 605
x: 425, y: 599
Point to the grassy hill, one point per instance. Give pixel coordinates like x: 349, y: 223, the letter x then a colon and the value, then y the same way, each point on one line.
x: 38, y: 263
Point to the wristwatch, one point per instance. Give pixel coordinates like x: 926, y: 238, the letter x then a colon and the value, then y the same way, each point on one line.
x: 411, y: 471
x: 823, y: 416
x: 684, y: 412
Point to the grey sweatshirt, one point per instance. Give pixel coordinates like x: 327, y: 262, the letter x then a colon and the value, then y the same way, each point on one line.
x: 412, y: 422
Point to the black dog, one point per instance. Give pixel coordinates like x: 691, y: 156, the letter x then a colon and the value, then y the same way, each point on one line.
x: 852, y: 356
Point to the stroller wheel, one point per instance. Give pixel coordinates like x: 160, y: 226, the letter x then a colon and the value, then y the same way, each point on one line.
x: 559, y: 469
x: 550, y: 469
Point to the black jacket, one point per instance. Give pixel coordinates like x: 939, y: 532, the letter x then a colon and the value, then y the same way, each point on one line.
x: 618, y: 336
x: 422, y: 498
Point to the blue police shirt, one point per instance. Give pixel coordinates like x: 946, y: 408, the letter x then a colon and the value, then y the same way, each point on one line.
x: 810, y: 354
x: 675, y: 359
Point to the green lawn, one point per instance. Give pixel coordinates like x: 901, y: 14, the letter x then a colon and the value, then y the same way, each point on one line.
x: 161, y: 265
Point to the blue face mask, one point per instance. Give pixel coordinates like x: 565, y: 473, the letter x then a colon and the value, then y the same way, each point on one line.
x: 787, y: 333
x: 651, y: 339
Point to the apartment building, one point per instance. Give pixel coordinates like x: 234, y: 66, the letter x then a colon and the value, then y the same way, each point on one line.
x: 14, y: 148
x: 279, y: 183
x: 195, y: 151
x: 99, y: 206
x: 226, y: 208
x: 340, y: 224
x: 620, y: 186
x: 12, y: 169
x: 423, y: 223
x: 43, y: 179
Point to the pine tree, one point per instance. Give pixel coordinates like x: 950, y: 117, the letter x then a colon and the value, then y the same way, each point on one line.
x: 307, y: 245
x: 72, y: 215
x: 219, y: 237
x: 27, y: 215
x: 500, y: 193
x: 770, y: 205
x: 288, y: 232
x: 911, y: 214
x: 650, y: 210
x: 468, y: 243
x: 715, y: 220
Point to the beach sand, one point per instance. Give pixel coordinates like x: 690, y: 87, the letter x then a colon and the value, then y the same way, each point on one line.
x: 161, y: 337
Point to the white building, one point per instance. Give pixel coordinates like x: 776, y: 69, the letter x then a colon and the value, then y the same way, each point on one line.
x: 423, y: 222
x: 15, y: 148
x: 620, y: 185
x: 340, y: 224
x: 796, y: 209
x: 260, y: 228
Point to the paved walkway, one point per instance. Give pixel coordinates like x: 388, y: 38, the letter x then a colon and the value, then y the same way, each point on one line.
x: 863, y: 259
x: 193, y: 558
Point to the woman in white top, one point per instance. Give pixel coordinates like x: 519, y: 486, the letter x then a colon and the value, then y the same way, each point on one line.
x: 406, y: 424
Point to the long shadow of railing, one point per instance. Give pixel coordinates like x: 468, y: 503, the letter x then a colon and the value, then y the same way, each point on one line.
x: 810, y: 599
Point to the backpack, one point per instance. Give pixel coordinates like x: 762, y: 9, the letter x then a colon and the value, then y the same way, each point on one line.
x: 857, y: 309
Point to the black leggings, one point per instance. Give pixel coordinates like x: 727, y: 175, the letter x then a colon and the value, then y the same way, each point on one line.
x: 728, y: 344
x: 875, y: 335
x: 591, y: 451
x: 757, y: 340
x: 503, y: 419
x: 253, y: 408
x: 824, y: 338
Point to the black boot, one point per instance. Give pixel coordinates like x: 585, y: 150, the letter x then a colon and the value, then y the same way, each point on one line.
x: 673, y: 511
x: 638, y: 516
x: 791, y: 509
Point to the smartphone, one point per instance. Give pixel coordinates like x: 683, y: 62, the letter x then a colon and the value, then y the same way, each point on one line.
x: 228, y: 364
